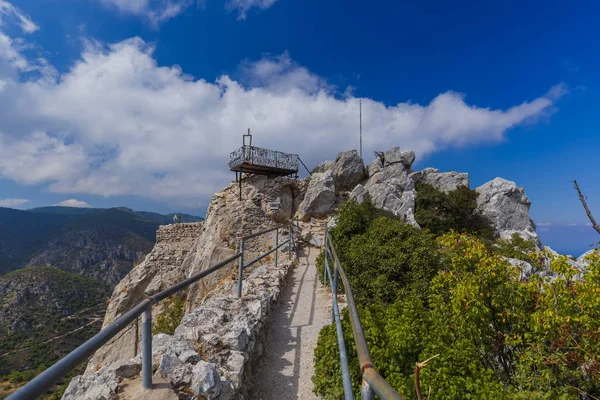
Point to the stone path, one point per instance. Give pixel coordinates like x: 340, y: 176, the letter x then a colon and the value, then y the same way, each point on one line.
x: 286, y: 367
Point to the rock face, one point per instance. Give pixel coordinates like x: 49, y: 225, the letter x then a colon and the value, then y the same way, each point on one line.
x: 320, y: 196
x: 329, y: 179
x: 507, y: 206
x: 389, y: 186
x: 348, y: 170
x: 444, y: 181
x: 183, y: 250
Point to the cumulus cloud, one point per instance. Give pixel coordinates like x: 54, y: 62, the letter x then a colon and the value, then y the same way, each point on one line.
x: 73, y: 203
x: 11, y: 203
x: 8, y: 11
x: 117, y: 123
x: 243, y: 6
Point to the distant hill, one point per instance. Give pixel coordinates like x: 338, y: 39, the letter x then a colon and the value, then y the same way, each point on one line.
x: 94, y: 242
x: 44, y: 314
x: 58, y: 265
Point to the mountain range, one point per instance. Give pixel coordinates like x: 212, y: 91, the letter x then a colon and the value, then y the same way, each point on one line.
x: 58, y: 266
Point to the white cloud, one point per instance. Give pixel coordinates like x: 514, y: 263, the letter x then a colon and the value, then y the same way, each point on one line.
x: 572, y: 224
x: 243, y: 6
x: 155, y: 11
x: 158, y: 11
x: 73, y: 203
x: 117, y: 123
x: 7, y: 10
x: 11, y: 203
x: 543, y: 223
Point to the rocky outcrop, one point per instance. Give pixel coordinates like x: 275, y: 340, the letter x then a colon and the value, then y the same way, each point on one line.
x: 212, y: 351
x: 389, y: 186
x: 444, y: 181
x: 348, y: 170
x: 584, y: 259
x: 183, y: 250
x: 329, y: 179
x: 320, y: 196
x: 507, y: 207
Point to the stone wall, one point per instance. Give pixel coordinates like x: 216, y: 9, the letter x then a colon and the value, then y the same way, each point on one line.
x: 211, y: 353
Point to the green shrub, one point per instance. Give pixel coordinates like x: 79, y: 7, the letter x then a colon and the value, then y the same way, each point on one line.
x: 170, y: 318
x: 519, y: 248
x: 497, y: 337
x: 383, y: 257
x: 442, y: 212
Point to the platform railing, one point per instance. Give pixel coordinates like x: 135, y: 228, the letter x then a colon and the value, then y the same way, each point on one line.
x: 372, y: 382
x: 263, y: 157
x: 44, y: 381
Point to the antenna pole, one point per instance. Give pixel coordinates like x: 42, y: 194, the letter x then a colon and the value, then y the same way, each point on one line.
x: 360, y: 118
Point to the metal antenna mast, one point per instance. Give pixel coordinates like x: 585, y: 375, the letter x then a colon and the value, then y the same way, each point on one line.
x: 360, y: 118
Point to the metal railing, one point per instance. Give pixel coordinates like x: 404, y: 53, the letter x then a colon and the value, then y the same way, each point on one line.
x: 372, y: 382
x: 44, y: 381
x: 263, y: 157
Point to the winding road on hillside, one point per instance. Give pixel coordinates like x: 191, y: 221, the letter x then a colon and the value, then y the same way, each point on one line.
x: 285, y: 369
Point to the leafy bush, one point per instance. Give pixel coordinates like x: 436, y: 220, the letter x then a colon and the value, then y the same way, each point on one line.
x: 442, y: 212
x: 518, y: 248
x: 384, y: 258
x: 497, y: 336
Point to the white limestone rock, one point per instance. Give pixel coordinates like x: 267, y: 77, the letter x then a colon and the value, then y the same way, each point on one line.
x: 206, y: 381
x: 348, y: 170
x: 320, y: 196
x: 584, y: 260
x: 101, y: 385
x: 444, y: 181
x: 507, y: 207
x: 389, y: 188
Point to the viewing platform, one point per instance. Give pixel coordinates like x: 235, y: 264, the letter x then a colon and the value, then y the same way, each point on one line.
x: 255, y: 160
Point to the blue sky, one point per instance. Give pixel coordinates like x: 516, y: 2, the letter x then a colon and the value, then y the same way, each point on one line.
x: 138, y: 102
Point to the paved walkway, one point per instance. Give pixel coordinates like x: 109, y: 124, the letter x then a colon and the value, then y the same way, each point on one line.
x: 284, y: 371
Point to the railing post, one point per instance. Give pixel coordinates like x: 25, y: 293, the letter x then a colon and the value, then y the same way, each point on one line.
x: 147, y: 348
x: 241, y: 268
x: 335, y: 278
x: 276, y: 245
x: 290, y: 244
x: 366, y: 393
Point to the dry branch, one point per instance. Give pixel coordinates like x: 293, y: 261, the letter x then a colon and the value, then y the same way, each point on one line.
x: 418, y: 367
x: 583, y: 199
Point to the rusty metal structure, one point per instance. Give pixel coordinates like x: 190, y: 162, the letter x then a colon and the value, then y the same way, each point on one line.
x: 252, y: 160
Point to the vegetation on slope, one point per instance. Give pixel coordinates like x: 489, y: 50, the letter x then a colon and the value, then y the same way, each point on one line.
x: 44, y: 314
x: 456, y: 296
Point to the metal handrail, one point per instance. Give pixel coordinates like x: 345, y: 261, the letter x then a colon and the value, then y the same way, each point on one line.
x: 372, y: 382
x: 38, y: 385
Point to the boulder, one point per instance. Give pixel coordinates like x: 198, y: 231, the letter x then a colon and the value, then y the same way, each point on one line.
x: 444, y: 181
x: 206, y: 381
x: 101, y: 385
x: 584, y: 258
x: 348, y: 170
x: 320, y: 196
x: 395, y: 161
x: 507, y: 207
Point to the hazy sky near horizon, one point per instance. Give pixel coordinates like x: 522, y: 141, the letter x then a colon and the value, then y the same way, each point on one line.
x: 138, y: 103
